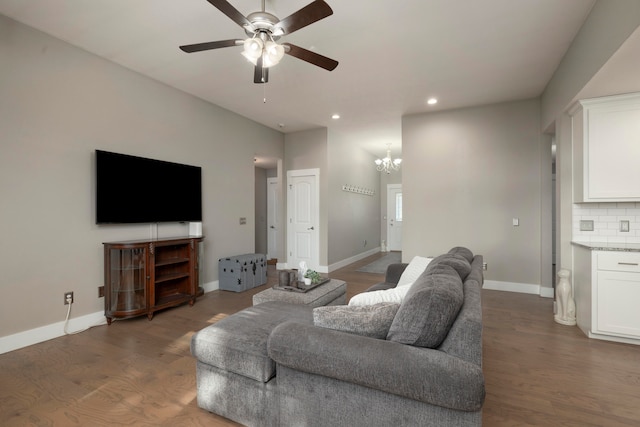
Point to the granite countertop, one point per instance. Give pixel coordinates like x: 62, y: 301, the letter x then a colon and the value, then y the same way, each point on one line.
x: 604, y: 246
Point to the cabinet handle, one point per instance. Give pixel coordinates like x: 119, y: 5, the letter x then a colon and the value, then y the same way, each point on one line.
x: 627, y: 263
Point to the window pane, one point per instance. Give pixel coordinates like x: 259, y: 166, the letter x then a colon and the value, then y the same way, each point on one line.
x: 398, y: 206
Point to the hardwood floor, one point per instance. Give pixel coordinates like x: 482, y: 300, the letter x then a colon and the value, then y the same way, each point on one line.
x: 140, y: 373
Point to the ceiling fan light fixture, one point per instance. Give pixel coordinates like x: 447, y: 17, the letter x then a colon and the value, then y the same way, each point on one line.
x: 273, y: 53
x: 252, y: 48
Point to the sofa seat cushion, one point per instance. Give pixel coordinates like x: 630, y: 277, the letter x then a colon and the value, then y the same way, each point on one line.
x: 238, y: 343
x: 369, y: 320
x: 429, y: 308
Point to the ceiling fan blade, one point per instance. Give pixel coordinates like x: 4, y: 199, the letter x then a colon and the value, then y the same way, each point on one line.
x: 307, y: 15
x: 311, y: 57
x: 233, y: 13
x: 198, y: 47
x: 260, y: 73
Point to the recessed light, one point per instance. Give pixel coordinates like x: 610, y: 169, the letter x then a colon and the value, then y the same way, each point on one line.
x: 335, y: 116
x: 432, y: 101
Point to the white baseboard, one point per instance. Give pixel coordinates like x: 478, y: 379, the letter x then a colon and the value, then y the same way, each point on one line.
x: 523, y: 288
x: 48, y: 332
x: 337, y: 265
x: 55, y: 330
x: 211, y: 286
x: 351, y: 260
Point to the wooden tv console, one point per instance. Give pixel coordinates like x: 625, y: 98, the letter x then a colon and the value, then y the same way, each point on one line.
x: 144, y: 276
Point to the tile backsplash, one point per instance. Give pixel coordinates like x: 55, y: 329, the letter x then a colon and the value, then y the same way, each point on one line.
x: 606, y: 219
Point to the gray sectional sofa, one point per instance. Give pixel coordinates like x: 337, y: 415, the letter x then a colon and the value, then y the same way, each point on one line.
x: 276, y: 364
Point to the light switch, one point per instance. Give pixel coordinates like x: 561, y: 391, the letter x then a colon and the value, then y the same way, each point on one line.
x: 516, y: 222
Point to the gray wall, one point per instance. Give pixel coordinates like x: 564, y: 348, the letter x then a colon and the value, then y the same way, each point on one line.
x: 347, y: 220
x: 354, y: 219
x: 57, y: 105
x: 606, y: 29
x: 466, y: 174
x: 608, y: 25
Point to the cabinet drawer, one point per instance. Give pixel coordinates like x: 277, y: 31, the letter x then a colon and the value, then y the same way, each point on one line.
x: 619, y: 261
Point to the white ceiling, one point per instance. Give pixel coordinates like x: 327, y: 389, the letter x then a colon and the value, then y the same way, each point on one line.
x: 393, y: 55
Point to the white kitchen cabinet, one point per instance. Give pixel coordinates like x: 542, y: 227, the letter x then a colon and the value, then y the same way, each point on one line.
x: 607, y: 294
x: 606, y: 144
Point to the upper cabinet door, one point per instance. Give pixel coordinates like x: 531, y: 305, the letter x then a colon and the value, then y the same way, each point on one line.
x: 606, y: 143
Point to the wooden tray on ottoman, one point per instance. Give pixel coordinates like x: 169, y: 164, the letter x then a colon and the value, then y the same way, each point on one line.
x: 300, y: 286
x: 333, y: 292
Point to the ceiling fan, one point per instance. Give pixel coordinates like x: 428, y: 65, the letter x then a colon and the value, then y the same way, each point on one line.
x: 264, y: 29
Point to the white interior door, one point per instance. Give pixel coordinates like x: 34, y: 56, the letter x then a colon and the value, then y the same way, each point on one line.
x: 394, y: 217
x: 273, y: 227
x: 303, y: 214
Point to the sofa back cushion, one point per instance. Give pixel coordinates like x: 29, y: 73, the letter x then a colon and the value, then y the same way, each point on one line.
x: 462, y: 251
x: 458, y: 262
x: 429, y: 308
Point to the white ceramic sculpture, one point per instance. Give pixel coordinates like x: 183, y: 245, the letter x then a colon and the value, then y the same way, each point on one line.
x: 565, y: 304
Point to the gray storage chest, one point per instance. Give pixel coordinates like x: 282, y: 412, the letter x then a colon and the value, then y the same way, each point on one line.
x: 241, y: 272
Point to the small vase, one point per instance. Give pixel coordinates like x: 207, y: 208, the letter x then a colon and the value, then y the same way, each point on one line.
x: 307, y: 281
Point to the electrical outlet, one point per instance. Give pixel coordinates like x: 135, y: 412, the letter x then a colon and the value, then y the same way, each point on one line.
x: 68, y: 298
x: 485, y: 266
x: 624, y: 226
x: 100, y: 291
x: 586, y: 225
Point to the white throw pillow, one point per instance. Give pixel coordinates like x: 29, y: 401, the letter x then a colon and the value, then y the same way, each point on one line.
x: 375, y: 297
x: 415, y: 268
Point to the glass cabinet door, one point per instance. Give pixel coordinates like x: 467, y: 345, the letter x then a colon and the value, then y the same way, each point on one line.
x: 127, y: 280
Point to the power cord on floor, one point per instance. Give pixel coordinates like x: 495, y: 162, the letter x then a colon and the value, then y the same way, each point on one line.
x: 66, y: 321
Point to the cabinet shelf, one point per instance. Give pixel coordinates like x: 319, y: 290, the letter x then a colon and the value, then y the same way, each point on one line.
x: 171, y: 261
x: 171, y: 300
x: 144, y: 276
x: 169, y: 277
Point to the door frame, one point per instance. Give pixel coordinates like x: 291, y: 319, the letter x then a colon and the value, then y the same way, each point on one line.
x: 290, y: 235
x: 271, y: 204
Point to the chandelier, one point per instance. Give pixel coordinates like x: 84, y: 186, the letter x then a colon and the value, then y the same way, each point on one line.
x: 386, y: 164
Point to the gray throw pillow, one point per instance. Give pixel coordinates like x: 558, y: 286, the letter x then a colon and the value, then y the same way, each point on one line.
x: 428, y: 311
x: 367, y: 320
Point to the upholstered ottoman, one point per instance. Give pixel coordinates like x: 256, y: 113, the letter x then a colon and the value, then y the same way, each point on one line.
x: 334, y: 292
x: 235, y: 375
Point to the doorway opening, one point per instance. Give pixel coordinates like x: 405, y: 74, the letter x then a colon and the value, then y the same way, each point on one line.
x: 269, y: 218
x: 394, y: 217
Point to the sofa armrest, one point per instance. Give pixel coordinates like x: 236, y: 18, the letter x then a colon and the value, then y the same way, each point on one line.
x: 422, y: 374
x: 394, y: 271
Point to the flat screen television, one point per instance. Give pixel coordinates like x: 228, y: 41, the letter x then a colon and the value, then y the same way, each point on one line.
x: 131, y: 189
